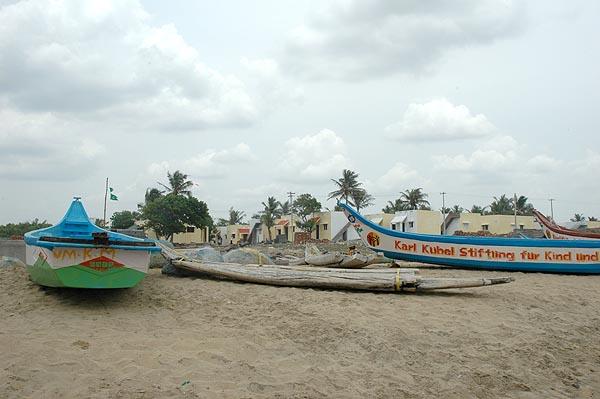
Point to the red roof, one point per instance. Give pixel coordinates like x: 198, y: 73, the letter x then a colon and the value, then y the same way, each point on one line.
x: 283, y: 223
x: 244, y: 230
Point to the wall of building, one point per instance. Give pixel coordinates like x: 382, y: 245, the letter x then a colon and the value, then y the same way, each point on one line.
x: 198, y: 236
x: 496, y: 224
x: 428, y: 222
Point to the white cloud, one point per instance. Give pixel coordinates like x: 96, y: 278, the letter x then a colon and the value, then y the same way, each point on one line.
x: 105, y: 60
x: 439, y: 120
x: 543, y: 163
x: 314, y: 158
x: 355, y: 39
x: 267, y: 80
x: 209, y: 164
x: 399, y: 177
x: 491, y: 160
x: 42, y: 147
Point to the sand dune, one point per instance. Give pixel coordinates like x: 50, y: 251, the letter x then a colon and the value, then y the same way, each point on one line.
x: 184, y: 337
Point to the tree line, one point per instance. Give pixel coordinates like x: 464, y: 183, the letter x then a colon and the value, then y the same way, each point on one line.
x: 170, y: 208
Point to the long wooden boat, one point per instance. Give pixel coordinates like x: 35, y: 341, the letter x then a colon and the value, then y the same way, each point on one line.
x: 553, y: 231
x: 76, y: 253
x: 516, y: 254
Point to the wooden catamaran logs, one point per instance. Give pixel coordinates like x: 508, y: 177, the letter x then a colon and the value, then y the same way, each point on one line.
x: 390, y: 280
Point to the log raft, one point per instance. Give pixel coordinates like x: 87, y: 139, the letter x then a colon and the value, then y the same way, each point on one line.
x: 386, y: 280
x: 381, y: 280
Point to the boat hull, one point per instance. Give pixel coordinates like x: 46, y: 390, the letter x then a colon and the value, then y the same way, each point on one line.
x: 507, y: 254
x: 77, y: 267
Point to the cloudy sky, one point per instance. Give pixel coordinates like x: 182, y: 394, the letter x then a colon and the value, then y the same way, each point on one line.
x: 472, y: 97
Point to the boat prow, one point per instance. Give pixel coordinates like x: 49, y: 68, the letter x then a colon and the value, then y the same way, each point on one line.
x: 553, y: 231
x: 76, y: 253
x: 516, y: 254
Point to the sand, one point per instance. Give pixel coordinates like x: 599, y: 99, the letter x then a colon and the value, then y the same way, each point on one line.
x: 186, y: 337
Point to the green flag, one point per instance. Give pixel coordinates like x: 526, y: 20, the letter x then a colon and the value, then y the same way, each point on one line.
x: 113, y: 197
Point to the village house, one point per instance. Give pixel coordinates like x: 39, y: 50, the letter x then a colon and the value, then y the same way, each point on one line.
x: 495, y: 224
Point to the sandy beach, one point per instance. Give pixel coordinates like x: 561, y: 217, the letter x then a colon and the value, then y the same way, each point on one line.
x: 188, y: 337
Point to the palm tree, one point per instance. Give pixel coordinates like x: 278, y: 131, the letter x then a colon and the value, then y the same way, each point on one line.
x: 152, y: 194
x: 478, y: 209
x: 270, y: 212
x: 178, y: 183
x: 396, y: 206
x: 236, y: 217
x: 578, y: 217
x: 361, y: 199
x: 501, y: 206
x: 346, y: 186
x: 285, y: 208
x: 524, y: 207
x: 457, y: 209
x: 415, y: 199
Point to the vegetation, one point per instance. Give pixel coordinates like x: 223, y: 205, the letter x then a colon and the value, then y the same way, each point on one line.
x: 19, y: 229
x: 346, y: 186
x: 501, y: 206
x: 172, y: 213
x: 124, y: 219
x: 409, y: 199
x: 362, y: 199
x: 395, y: 206
x: 506, y: 206
x: 271, y: 211
x: 478, y: 209
x: 305, y: 206
x: 236, y: 217
x: 523, y: 206
x: 578, y: 217
x: 178, y: 184
x: 285, y: 207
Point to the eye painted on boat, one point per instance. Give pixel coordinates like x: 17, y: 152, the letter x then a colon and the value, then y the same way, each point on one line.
x: 351, y: 219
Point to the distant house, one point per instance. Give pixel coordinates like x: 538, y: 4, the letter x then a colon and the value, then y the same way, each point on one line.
x: 192, y: 235
x: 495, y: 224
x: 233, y: 233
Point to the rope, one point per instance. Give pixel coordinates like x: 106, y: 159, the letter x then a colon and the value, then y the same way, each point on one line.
x: 398, y: 285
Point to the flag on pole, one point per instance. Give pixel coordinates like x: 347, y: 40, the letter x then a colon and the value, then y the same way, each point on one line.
x: 113, y: 197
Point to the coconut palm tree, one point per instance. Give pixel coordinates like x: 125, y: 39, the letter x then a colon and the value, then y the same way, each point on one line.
x: 346, y: 186
x: 524, y: 207
x: 361, y: 199
x: 271, y: 211
x: 415, y: 199
x: 395, y: 206
x: 178, y: 183
x: 578, y: 217
x: 285, y: 208
x: 236, y: 217
x: 478, y: 209
x: 152, y: 194
x: 457, y: 209
x: 501, y: 206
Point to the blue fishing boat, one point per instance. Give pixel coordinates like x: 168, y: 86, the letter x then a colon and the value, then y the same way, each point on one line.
x: 516, y: 254
x: 76, y: 253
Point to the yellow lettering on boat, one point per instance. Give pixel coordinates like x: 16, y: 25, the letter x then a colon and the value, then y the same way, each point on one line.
x: 87, y: 253
x: 64, y: 253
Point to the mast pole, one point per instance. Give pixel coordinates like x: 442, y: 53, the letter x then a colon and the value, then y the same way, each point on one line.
x: 105, y: 196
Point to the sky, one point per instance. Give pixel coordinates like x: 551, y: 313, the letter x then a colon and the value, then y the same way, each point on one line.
x: 475, y: 98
